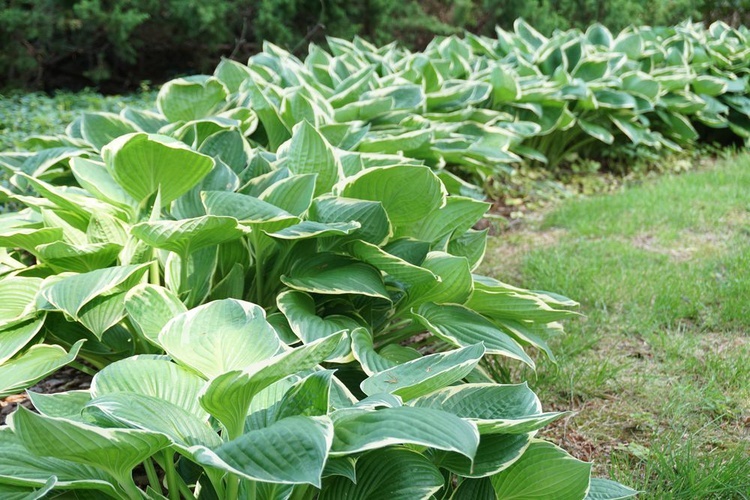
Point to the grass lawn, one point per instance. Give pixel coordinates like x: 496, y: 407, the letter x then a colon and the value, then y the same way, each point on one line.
x: 659, y: 368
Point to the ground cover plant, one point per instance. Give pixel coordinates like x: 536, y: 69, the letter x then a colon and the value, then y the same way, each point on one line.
x: 297, y: 323
x: 657, y: 371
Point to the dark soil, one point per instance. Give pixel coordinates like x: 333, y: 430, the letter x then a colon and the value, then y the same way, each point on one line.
x: 67, y: 379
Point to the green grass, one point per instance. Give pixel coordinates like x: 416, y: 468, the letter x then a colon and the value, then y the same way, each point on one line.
x: 26, y: 114
x: 659, y: 369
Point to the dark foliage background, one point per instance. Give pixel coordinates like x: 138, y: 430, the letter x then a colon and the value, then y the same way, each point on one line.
x: 116, y: 44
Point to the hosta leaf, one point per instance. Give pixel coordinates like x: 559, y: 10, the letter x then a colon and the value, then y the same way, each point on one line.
x: 70, y: 294
x: 332, y: 274
x: 507, y: 409
x: 388, y: 474
x: 291, y: 451
x: 470, y: 245
x: 311, y: 229
x: 228, y: 396
x: 247, y: 209
x: 67, y: 405
x: 144, y: 164
x: 474, y: 489
x: 515, y: 305
x: 455, y: 284
x: 78, y: 258
x: 157, y: 377
x: 424, y: 375
x: 19, y: 299
x: 293, y: 194
x: 33, y: 365
x: 596, y: 131
x: 408, y: 193
x: 117, y: 451
x: 363, y: 350
x: 219, y: 337
x: 150, y: 307
x: 463, y: 327
x: 102, y: 313
x: 188, y: 235
x: 604, y: 489
x: 495, y: 453
x: 544, y: 470
x: 14, y: 338
x: 11, y: 492
x: 356, y: 431
x: 375, y: 227
x: 149, y: 413
x: 145, y: 121
x: 268, y: 114
x: 231, y: 74
x: 458, y: 215
x: 99, y: 129
x: 28, y: 239
x: 309, y: 153
x: 18, y: 466
x: 308, y: 397
x: 191, y: 98
x: 391, y: 265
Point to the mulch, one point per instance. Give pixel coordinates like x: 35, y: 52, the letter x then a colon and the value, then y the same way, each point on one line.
x: 66, y: 379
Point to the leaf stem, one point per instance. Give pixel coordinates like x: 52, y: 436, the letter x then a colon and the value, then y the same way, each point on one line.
x: 82, y: 368
x: 154, y: 277
x: 172, y: 485
x: 153, y: 478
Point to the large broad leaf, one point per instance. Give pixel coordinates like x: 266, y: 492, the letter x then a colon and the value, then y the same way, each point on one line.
x: 362, y: 347
x: 604, y: 489
x: 35, y: 364
x: 150, y: 307
x: 463, y: 327
x: 67, y: 405
x: 375, y: 227
x: 20, y: 467
x: 455, y: 284
x: 389, y: 474
x: 228, y: 396
x: 543, y: 471
x: 495, y: 453
x: 361, y: 430
x: 156, y: 377
x: 457, y: 216
x: 408, y: 193
x: 12, y: 492
x: 311, y: 229
x: 188, y: 235
x: 71, y: 294
x: 28, y: 239
x: 424, y: 375
x: 220, y: 336
x: 19, y: 299
x: 516, y: 306
x: 249, y: 210
x: 390, y: 264
x: 149, y: 413
x: 293, y: 194
x: 507, y: 409
x: 332, y: 274
x: 596, y: 131
x: 116, y: 451
x: 191, y: 98
x: 99, y: 129
x: 309, y: 153
x: 14, y: 338
x: 144, y: 164
x: 291, y: 451
x: 78, y: 258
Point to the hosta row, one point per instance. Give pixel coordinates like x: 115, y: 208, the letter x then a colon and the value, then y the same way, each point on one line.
x: 298, y: 324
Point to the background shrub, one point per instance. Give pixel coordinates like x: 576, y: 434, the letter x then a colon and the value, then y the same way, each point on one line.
x: 115, y: 44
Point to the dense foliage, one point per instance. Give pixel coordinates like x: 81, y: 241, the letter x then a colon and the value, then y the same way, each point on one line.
x: 277, y: 303
x: 52, y: 44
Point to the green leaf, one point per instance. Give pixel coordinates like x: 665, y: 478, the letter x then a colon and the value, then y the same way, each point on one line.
x: 188, y: 235
x: 474, y: 489
x: 12, y: 492
x: 515, y: 305
x: 393, y: 266
x: 68, y: 405
x: 332, y: 274
x: 14, y: 338
x: 99, y: 129
x: 72, y: 293
x: 78, y: 258
x: 544, y: 470
x: 375, y: 227
x: 506, y: 409
x: 408, y: 193
x: 150, y: 307
x: 457, y: 216
x: 19, y: 466
x: 362, y: 347
x: 228, y: 396
x: 424, y: 375
x: 605, y: 489
x: 29, y: 239
x: 144, y: 164
x: 388, y: 474
x: 34, y: 365
x: 597, y: 131
x: 291, y: 451
x: 356, y: 431
x: 116, y: 451
x: 495, y: 453
x: 220, y: 337
x: 463, y: 327
x: 311, y: 229
x: 293, y: 194
x: 309, y: 153
x: 455, y: 284
x: 191, y: 98
x: 19, y: 299
x: 153, y: 376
